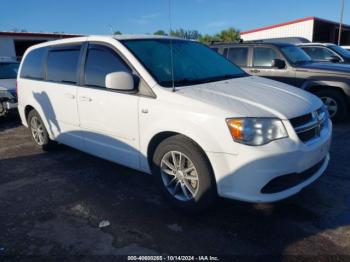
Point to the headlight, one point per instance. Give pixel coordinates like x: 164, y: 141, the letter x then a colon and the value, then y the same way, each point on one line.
x: 256, y: 131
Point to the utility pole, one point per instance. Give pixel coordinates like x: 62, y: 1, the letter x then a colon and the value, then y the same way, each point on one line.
x: 341, y: 20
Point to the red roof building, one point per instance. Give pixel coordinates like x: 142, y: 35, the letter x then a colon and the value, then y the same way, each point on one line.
x: 312, y: 28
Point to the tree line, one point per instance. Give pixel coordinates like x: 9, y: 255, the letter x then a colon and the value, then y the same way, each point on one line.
x: 227, y: 35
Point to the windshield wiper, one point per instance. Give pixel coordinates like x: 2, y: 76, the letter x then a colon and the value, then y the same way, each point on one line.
x: 187, y: 81
x: 220, y: 78
x: 178, y: 82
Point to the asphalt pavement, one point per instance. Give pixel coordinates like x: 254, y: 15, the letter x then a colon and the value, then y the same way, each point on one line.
x: 51, y: 205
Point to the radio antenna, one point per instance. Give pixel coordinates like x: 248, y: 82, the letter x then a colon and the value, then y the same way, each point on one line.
x: 171, y: 49
x: 112, y: 29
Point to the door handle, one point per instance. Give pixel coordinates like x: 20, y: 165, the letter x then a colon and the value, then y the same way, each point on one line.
x: 85, y: 99
x: 254, y: 71
x: 70, y: 96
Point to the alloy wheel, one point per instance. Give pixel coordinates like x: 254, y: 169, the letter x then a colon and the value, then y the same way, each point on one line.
x: 331, y: 105
x: 179, y: 175
x: 37, y: 130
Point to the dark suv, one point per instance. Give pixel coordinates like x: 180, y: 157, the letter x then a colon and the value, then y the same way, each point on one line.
x: 320, y: 52
x: 290, y: 64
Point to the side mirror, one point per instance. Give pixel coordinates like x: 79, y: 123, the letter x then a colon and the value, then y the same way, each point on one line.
x: 120, y: 81
x: 278, y: 63
x: 334, y: 59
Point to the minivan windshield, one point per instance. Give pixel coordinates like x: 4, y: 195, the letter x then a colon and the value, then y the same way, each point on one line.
x: 8, y: 70
x: 296, y: 55
x: 193, y: 62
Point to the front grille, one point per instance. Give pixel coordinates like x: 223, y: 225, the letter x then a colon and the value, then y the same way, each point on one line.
x: 308, y: 135
x: 310, y: 126
x: 301, y: 120
x: 285, y: 182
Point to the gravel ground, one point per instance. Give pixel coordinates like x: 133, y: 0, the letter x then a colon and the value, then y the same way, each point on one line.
x: 52, y: 204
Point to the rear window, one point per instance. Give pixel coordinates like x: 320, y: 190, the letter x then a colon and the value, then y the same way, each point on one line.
x: 62, y: 64
x: 33, y: 64
x: 8, y: 70
x: 238, y: 55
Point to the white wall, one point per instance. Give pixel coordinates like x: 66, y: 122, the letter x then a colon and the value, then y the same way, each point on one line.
x: 301, y: 29
x: 7, y: 47
x: 7, y: 44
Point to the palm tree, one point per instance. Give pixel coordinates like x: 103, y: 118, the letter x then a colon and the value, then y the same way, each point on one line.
x: 229, y: 35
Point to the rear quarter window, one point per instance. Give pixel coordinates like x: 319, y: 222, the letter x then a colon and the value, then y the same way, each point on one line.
x: 33, y: 64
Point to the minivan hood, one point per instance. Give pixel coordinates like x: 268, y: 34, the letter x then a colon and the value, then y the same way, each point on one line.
x: 254, y: 97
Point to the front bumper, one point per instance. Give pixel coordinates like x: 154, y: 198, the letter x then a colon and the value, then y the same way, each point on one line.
x: 10, y: 105
x: 245, y: 175
x: 7, y: 106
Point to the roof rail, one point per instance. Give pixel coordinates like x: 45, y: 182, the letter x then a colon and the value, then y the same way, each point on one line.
x: 218, y: 42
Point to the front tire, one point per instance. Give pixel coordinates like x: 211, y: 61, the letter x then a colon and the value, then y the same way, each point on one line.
x: 335, y: 103
x: 38, y: 131
x: 184, y: 174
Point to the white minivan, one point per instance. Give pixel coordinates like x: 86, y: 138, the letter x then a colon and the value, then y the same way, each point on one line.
x: 176, y: 109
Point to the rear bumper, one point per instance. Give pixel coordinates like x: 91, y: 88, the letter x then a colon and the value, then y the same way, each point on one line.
x: 272, y: 172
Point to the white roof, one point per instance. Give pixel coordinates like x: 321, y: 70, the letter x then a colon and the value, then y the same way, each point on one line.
x: 102, y: 38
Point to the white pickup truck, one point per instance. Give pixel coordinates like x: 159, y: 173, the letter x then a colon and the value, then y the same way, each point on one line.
x: 8, y: 94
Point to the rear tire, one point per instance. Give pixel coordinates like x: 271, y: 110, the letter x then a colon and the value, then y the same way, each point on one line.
x: 38, y: 131
x: 184, y: 174
x: 335, y: 102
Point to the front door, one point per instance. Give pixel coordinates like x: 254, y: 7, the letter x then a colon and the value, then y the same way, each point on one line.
x: 108, y: 118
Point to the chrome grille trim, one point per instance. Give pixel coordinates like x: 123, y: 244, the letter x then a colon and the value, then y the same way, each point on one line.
x: 312, y: 127
x: 306, y: 127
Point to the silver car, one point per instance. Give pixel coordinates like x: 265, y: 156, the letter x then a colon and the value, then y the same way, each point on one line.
x: 8, y: 94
